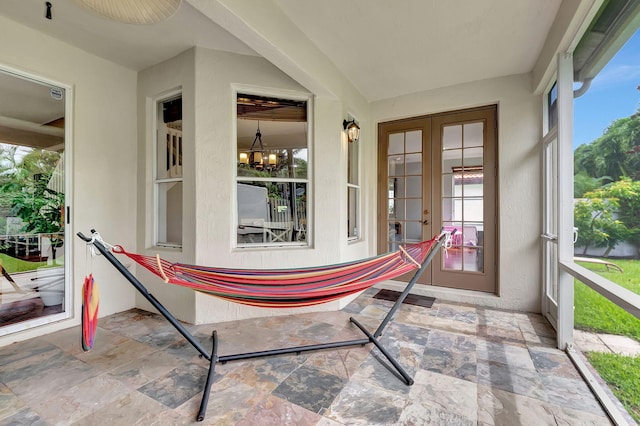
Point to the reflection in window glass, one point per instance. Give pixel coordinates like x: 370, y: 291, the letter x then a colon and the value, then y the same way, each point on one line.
x: 272, y: 171
x: 33, y: 284
x: 168, y: 181
x: 353, y: 190
x: 462, y: 194
x: 404, y: 160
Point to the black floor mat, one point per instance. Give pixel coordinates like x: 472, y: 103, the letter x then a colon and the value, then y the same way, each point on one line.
x: 411, y: 299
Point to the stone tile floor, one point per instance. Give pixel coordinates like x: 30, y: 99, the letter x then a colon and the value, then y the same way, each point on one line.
x: 471, y: 365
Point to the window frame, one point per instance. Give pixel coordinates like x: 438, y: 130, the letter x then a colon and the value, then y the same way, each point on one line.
x: 157, y: 182
x: 308, y: 181
x: 354, y: 233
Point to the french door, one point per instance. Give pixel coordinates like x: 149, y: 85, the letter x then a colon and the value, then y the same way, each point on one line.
x: 439, y: 172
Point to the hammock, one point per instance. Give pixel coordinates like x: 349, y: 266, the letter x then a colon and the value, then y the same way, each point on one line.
x: 287, y: 288
x: 280, y: 288
x: 90, y: 304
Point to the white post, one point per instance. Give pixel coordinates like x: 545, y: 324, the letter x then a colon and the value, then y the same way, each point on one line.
x: 565, y: 197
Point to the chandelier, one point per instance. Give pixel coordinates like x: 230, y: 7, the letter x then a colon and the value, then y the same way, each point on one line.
x: 257, y: 157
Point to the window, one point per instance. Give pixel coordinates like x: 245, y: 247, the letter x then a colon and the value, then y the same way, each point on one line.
x: 353, y: 191
x: 168, y: 175
x: 272, y: 182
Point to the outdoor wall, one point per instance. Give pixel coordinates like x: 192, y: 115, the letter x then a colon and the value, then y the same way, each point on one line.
x: 217, y: 74
x: 519, y: 209
x: 102, y: 156
x: 208, y: 79
x: 155, y: 83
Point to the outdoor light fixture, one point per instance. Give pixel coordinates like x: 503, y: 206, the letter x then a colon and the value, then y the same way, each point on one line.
x: 353, y: 130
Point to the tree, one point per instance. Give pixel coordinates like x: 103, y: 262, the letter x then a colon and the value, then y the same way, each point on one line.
x: 610, y: 154
x: 597, y: 227
x: 626, y: 192
x: 583, y: 183
x: 24, y: 188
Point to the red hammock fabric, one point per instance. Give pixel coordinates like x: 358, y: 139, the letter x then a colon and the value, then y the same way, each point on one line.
x: 287, y: 288
x: 90, y: 305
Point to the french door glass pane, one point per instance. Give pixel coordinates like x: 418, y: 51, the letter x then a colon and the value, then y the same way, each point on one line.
x: 463, y: 195
x: 404, y: 162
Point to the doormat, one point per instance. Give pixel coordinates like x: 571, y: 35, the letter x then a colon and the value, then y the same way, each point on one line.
x: 411, y: 299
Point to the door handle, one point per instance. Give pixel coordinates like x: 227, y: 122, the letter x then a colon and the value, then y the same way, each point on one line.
x: 425, y: 222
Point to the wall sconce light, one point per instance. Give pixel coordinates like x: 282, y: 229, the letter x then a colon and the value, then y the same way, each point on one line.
x: 353, y: 130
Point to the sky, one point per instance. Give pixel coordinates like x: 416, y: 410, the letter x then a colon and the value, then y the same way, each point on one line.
x: 613, y: 94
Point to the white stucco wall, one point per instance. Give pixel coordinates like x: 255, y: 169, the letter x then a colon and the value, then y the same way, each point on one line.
x: 519, y: 118
x: 103, y: 157
x: 208, y: 80
x: 155, y: 83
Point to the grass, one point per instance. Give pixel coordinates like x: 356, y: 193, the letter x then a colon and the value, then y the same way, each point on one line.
x: 595, y: 313
x: 622, y: 374
x: 12, y: 265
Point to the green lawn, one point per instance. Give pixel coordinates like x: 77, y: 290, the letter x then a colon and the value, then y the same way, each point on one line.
x: 595, y: 313
x: 12, y: 265
x: 622, y: 374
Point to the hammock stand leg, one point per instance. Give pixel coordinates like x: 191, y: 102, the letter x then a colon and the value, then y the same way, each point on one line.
x: 371, y: 338
x: 213, y: 358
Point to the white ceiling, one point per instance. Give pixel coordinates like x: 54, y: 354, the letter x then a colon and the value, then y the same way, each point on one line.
x: 395, y: 47
x: 386, y: 48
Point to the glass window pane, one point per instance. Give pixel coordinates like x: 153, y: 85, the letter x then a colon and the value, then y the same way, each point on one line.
x: 414, y: 231
x: 396, y: 144
x: 451, y: 160
x: 300, y: 213
x: 392, y: 208
x: 473, y: 210
x: 300, y: 163
x: 452, y: 209
x: 272, y: 142
x: 452, y: 137
x: 169, y: 143
x: 400, y: 210
x: 352, y: 163
x: 396, y: 165
x: 552, y: 107
x: 395, y: 233
x: 170, y: 213
x: 447, y: 185
x: 352, y: 212
x: 393, y: 188
x: 271, y: 212
x: 414, y: 186
x: 473, y: 134
x: 414, y: 141
x: 414, y: 209
x: 473, y: 157
x: 413, y: 164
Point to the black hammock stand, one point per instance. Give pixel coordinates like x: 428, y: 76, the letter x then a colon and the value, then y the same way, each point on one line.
x: 213, y: 357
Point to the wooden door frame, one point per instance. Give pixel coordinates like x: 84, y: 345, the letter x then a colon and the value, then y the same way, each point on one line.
x: 432, y: 186
x: 406, y: 125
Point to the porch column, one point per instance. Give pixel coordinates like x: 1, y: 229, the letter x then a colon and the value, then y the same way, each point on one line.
x: 565, y: 197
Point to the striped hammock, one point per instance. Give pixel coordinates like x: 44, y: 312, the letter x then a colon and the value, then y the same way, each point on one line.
x: 288, y: 288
